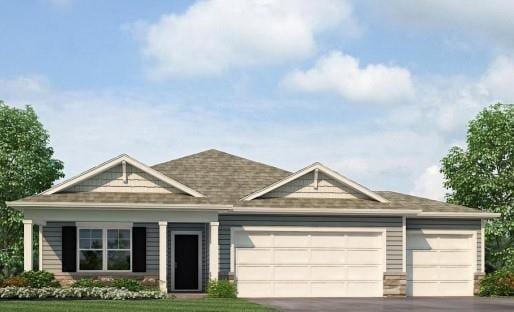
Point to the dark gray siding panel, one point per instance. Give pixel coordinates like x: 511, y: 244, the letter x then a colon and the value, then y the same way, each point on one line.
x: 52, y: 246
x: 393, y: 226
x: 203, y: 227
x: 450, y: 224
x: 152, y: 246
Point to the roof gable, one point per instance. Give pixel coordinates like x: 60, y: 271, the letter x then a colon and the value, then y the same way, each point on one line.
x: 316, y: 181
x: 122, y: 174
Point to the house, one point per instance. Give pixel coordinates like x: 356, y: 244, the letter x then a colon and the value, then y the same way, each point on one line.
x: 311, y: 233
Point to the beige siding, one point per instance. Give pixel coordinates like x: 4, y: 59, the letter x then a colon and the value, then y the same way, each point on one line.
x: 305, y: 187
x: 111, y: 180
x: 52, y: 247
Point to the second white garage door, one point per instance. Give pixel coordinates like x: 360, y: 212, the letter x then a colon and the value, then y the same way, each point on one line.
x: 440, y: 263
x: 309, y: 263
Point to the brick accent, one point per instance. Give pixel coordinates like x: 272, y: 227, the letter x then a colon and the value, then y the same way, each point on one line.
x: 479, y: 276
x: 395, y: 284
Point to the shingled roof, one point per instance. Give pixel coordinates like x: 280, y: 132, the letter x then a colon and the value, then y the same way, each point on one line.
x: 224, y: 179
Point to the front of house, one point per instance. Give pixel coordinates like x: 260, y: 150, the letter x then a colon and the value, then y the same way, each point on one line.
x: 312, y: 233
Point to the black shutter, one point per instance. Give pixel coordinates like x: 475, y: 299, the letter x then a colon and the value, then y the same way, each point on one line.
x: 69, y: 249
x: 139, y: 249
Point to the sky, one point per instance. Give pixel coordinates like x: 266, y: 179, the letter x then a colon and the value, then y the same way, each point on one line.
x: 377, y: 90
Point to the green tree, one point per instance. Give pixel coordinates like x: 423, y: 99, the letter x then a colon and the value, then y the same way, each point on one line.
x: 26, y: 168
x: 482, y: 176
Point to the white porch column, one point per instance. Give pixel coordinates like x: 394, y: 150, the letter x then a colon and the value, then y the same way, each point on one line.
x: 163, y: 226
x: 213, y: 251
x: 40, y: 251
x: 27, y: 245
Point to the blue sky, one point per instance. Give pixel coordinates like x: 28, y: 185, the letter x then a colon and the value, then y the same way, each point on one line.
x: 378, y: 92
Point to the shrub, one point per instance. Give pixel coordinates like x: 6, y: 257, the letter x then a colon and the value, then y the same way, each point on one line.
x: 88, y: 283
x: 15, y: 281
x: 128, y: 284
x: 106, y: 293
x: 499, y: 283
x: 221, y: 289
x: 39, y: 279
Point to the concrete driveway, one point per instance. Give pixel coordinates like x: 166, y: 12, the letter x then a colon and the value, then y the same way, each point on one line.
x: 467, y: 304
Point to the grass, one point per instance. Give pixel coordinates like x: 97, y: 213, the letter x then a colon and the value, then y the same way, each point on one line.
x: 129, y: 306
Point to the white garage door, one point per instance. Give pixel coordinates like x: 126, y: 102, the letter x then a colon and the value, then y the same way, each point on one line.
x: 309, y: 263
x: 440, y: 264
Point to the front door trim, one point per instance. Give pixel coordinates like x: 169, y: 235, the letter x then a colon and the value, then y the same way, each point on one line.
x: 172, y: 259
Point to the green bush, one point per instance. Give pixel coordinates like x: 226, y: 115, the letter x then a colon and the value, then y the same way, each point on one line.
x: 15, y: 281
x: 221, y: 289
x: 128, y: 284
x: 499, y: 283
x: 88, y: 283
x: 39, y: 279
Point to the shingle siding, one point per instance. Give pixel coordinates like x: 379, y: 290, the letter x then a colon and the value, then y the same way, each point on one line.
x: 203, y: 227
x: 393, y: 226
x: 451, y: 224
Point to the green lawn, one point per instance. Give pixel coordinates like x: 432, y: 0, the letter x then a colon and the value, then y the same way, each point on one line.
x: 129, y: 306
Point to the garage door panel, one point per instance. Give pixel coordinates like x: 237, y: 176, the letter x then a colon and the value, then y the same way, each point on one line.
x: 453, y: 257
x: 328, y: 240
x: 453, y: 242
x: 252, y: 240
x: 366, y: 240
x: 422, y: 273
x: 329, y: 273
x: 291, y: 256
x: 422, y: 242
x: 423, y: 257
x: 292, y: 289
x: 254, y: 289
x: 328, y: 289
x: 254, y: 273
x: 326, y: 256
x: 290, y: 240
x: 293, y: 273
x: 364, y: 273
x: 364, y: 257
x: 455, y: 288
x: 254, y: 256
x: 420, y: 288
x: 455, y: 273
x: 363, y: 289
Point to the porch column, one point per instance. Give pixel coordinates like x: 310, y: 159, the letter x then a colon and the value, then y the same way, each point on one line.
x: 27, y: 245
x: 40, y: 251
x: 213, y: 251
x: 163, y: 226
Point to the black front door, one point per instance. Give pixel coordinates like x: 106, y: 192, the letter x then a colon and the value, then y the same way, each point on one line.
x: 186, y: 262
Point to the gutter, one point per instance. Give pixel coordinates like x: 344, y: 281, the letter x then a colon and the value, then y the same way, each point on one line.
x: 231, y: 209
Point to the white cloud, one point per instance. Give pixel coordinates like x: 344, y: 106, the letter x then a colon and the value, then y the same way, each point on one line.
x: 430, y: 184
x: 489, y: 19
x: 342, y: 74
x: 214, y: 36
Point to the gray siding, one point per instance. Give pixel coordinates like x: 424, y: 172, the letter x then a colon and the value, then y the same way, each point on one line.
x: 450, y: 224
x: 393, y: 226
x: 52, y: 248
x: 203, y: 227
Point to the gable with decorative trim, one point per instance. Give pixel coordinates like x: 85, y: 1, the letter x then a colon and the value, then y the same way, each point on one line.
x: 119, y: 179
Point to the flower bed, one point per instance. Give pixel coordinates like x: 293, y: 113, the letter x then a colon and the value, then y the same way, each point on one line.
x: 106, y: 293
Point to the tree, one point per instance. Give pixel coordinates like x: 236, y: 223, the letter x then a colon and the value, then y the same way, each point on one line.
x: 482, y: 176
x: 26, y: 168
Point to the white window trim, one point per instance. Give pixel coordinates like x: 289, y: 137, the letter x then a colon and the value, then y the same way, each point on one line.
x: 172, y: 259
x: 234, y: 230
x: 104, y: 227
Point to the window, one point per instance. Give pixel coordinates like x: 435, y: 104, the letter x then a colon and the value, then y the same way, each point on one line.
x: 104, y: 249
x: 118, y: 250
